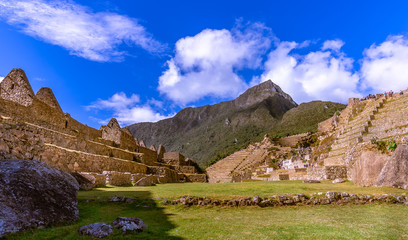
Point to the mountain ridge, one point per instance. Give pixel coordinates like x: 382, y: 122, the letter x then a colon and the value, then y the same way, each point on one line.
x: 206, y: 132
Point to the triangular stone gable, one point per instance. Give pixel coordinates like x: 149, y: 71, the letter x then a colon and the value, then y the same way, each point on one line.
x: 112, y: 131
x: 46, y: 96
x: 142, y: 143
x: 16, y: 88
x: 126, y: 130
x: 153, y: 148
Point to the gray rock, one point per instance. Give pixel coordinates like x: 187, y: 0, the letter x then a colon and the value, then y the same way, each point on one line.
x: 344, y: 194
x: 129, y: 224
x: 332, y: 195
x: 338, y: 180
x: 33, y: 195
x: 96, y: 230
x: 311, y: 181
x: 256, y: 199
x: 324, y: 201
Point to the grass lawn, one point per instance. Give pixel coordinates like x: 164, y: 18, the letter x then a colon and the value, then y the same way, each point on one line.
x: 374, y: 221
x: 236, y: 190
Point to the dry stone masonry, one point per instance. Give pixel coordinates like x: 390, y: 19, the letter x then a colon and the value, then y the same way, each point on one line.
x: 356, y: 144
x: 365, y: 135
x: 34, y: 127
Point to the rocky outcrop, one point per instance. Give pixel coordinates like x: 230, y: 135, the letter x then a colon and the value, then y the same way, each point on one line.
x: 395, y: 171
x: 34, y: 195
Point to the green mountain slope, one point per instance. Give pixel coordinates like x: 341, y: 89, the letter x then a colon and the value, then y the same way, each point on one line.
x: 211, y: 132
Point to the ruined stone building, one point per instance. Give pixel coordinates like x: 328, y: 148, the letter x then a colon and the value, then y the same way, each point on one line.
x: 356, y: 144
x: 33, y: 126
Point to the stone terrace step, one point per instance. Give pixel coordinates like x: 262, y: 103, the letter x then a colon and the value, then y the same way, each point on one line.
x: 68, y: 160
x: 72, y: 142
x: 387, y: 134
x: 391, y: 112
x: 334, y: 161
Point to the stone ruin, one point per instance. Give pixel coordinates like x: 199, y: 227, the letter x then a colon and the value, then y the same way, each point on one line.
x: 357, y: 133
x: 348, y: 147
x: 34, y: 127
x: 253, y: 162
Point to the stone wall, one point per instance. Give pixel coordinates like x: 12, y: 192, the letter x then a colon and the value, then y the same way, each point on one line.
x: 120, y: 179
x: 174, y: 158
x: 316, y: 173
x: 333, y: 172
x: 35, y: 127
x: 291, y: 141
x: 196, y: 178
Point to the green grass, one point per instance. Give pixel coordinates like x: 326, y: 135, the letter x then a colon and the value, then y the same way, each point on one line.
x: 235, y: 190
x: 373, y: 221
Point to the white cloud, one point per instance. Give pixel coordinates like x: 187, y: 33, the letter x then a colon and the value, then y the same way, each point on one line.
x: 117, y: 101
x: 126, y: 109
x: 207, y: 63
x: 333, y: 45
x: 384, y: 66
x: 1, y: 78
x: 139, y: 114
x: 320, y: 75
x: 94, y: 36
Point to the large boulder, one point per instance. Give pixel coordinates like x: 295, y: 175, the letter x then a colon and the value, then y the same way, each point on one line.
x: 33, y: 195
x: 367, y: 167
x: 395, y: 171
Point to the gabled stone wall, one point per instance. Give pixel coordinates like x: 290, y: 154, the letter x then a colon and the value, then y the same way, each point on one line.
x: 35, y: 127
x: 16, y: 88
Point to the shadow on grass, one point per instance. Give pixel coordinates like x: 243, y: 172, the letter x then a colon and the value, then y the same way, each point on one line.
x: 93, y: 209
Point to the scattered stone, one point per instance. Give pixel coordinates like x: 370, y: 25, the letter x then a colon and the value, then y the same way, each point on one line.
x: 122, y: 199
x: 311, y: 181
x: 256, y: 199
x: 129, y: 224
x: 344, y: 194
x: 338, y: 180
x: 96, y: 230
x: 34, y: 195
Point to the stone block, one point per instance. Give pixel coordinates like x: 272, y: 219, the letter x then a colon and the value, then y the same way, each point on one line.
x: 120, y: 179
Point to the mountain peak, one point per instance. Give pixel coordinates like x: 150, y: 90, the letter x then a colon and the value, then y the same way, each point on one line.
x: 260, y: 92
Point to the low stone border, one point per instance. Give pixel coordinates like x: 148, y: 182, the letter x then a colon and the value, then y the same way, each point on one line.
x: 334, y: 198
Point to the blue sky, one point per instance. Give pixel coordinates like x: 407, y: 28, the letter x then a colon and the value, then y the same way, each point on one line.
x: 145, y: 60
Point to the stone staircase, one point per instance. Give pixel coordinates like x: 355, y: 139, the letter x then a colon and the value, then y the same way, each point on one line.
x: 221, y: 171
x: 253, y: 160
